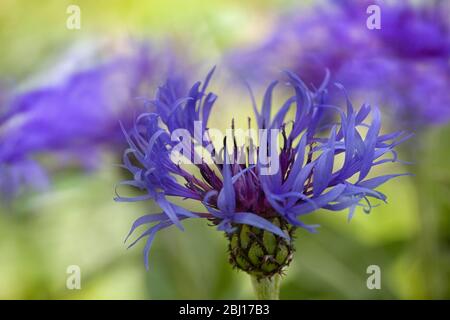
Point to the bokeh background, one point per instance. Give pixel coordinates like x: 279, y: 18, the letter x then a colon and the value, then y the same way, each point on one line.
x: 76, y: 222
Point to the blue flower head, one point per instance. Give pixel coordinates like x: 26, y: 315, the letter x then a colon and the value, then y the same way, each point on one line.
x: 256, y: 199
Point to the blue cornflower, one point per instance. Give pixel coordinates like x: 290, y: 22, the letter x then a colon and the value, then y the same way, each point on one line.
x: 240, y: 196
x: 257, y: 203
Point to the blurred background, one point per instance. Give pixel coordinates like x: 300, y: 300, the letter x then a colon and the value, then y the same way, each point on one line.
x: 57, y: 179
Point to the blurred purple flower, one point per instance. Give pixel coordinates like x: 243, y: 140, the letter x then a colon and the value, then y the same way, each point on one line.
x: 404, y: 65
x: 75, y: 119
x: 307, y: 174
x: 13, y: 176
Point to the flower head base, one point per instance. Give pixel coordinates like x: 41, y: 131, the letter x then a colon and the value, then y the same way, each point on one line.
x: 256, y: 195
x: 260, y: 252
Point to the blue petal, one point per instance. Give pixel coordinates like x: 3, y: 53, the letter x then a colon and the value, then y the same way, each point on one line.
x: 226, y: 226
x: 266, y: 106
x: 320, y: 201
x: 151, y: 236
x: 226, y: 200
x: 351, y: 212
x: 295, y: 222
x: 298, y: 163
x: 133, y: 199
x: 281, y: 114
x: 146, y: 219
x: 349, y: 142
x: 207, y: 80
x: 343, y: 202
x: 300, y: 180
x: 258, y: 222
x: 369, y: 143
x: 375, y: 182
x: 324, y: 167
x: 168, y: 209
x: 360, y: 190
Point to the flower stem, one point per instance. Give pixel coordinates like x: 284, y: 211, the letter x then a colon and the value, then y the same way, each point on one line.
x: 267, y: 288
